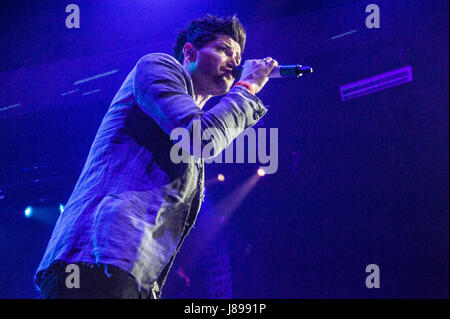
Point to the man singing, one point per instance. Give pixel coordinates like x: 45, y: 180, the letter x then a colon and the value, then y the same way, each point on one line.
x: 133, y: 206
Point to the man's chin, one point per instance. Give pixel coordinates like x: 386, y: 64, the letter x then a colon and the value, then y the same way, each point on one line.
x: 226, y: 90
x: 223, y: 87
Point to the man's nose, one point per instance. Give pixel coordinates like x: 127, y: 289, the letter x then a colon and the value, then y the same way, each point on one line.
x: 232, y: 62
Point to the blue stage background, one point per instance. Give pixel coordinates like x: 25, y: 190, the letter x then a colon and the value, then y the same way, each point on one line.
x: 359, y: 182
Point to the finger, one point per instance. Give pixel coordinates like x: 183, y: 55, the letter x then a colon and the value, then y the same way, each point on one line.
x: 272, y: 64
x: 267, y: 60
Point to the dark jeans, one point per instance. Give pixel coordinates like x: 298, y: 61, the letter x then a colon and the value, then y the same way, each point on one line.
x: 95, y: 282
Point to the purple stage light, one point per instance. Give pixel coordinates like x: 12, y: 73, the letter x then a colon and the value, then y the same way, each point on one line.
x: 376, y: 83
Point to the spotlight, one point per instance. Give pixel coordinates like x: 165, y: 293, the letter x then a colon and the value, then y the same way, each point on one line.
x: 61, y: 208
x: 220, y: 177
x: 28, y: 212
x: 261, y: 172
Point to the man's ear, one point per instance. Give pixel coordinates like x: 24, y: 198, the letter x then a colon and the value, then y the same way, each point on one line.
x: 189, y: 52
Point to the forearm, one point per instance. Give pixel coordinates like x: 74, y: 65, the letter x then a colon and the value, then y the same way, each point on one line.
x: 160, y: 91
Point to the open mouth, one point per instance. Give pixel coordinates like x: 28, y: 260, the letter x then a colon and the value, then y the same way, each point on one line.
x: 228, y: 75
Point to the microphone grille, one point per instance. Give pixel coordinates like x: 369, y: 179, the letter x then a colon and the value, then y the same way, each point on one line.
x: 236, y: 72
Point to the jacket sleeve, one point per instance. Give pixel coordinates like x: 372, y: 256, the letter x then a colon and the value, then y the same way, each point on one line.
x: 160, y: 90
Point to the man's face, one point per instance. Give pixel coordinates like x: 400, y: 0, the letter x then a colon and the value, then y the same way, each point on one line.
x: 211, y: 68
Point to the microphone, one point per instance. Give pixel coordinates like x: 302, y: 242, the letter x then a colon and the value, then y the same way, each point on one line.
x: 280, y: 71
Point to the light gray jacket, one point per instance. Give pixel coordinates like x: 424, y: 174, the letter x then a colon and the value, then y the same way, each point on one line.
x: 132, y: 206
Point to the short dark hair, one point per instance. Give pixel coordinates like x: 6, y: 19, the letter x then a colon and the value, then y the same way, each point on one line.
x: 201, y: 31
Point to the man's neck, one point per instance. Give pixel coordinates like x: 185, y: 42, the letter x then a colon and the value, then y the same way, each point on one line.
x: 200, y: 98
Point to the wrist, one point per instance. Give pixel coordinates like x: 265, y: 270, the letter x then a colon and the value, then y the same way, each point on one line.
x: 246, y: 84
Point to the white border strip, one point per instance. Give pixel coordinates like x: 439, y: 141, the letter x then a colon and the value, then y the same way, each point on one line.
x: 95, y: 77
x: 69, y: 92
x: 90, y: 92
x: 343, y: 34
x: 10, y: 107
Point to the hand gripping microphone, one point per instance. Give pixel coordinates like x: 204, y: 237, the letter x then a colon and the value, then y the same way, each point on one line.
x: 280, y: 71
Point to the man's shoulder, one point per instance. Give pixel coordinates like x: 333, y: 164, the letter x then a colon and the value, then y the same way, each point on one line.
x: 161, y: 57
x: 162, y: 64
